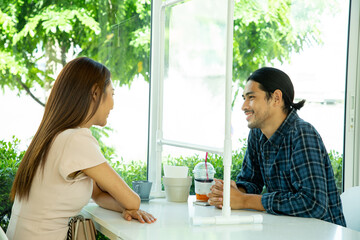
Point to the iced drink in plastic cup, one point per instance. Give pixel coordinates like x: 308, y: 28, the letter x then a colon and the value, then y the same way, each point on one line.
x: 203, y: 180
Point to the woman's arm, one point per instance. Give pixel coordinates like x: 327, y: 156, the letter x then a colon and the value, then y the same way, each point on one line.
x: 111, y: 192
x: 105, y: 200
x: 112, y: 185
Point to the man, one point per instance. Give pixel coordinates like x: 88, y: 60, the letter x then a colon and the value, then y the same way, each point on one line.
x: 285, y: 154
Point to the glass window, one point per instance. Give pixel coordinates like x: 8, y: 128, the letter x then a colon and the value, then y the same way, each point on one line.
x: 124, y: 46
x: 194, y: 81
x: 188, y: 82
x: 305, y: 39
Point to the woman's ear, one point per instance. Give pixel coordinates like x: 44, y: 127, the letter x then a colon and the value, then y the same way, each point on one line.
x: 95, y: 92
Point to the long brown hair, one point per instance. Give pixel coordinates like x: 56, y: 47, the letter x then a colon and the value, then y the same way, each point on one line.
x: 67, y: 107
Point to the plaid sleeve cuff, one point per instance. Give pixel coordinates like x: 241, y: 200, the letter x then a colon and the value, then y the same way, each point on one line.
x: 267, y: 201
x: 249, y: 187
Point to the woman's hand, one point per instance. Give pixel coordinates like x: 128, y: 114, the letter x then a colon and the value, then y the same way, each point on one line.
x: 139, y: 215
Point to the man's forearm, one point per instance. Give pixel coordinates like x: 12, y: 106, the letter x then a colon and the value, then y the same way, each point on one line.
x: 239, y: 199
x: 241, y: 189
x: 253, y: 201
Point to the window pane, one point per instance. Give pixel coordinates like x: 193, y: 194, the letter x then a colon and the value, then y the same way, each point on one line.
x: 194, y: 84
x: 316, y: 63
x: 124, y: 46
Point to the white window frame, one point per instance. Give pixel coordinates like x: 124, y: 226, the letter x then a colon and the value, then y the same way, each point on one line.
x: 156, y: 140
x: 351, y: 160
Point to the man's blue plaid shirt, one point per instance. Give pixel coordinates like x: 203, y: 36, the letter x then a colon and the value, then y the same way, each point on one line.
x: 296, y: 170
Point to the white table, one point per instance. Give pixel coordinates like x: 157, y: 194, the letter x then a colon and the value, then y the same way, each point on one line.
x: 173, y: 222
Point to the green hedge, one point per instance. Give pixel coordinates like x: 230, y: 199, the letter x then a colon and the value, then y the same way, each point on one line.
x: 136, y: 170
x: 133, y: 171
x: 215, y: 159
x: 337, y: 164
x: 10, y: 157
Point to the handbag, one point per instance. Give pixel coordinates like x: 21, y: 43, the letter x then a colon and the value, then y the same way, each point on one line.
x: 81, y: 228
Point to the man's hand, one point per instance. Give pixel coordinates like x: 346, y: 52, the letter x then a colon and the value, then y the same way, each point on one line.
x: 237, y: 196
x: 216, y: 194
x: 139, y: 215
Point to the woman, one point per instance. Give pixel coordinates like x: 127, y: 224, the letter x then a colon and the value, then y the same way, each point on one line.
x: 63, y: 166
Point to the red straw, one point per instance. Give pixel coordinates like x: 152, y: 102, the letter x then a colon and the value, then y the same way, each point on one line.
x: 207, y: 175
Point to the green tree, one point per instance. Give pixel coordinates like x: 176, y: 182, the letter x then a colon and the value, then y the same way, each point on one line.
x: 266, y: 33
x: 36, y: 36
x: 117, y: 33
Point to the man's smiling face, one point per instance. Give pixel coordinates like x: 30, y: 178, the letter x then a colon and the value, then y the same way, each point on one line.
x: 256, y: 106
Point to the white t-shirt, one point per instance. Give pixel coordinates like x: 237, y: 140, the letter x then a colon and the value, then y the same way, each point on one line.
x: 56, y: 194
